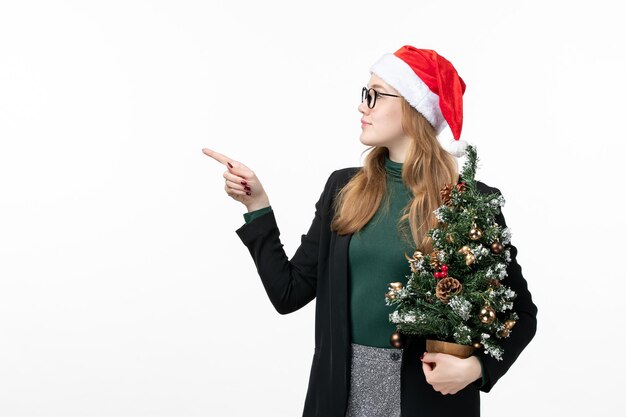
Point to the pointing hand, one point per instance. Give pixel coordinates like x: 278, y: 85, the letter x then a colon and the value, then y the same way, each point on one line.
x: 241, y: 182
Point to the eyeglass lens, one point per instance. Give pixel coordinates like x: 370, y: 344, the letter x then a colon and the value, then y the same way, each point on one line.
x: 369, y: 95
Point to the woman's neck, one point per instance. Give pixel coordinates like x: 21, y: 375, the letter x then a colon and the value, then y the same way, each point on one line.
x: 397, y: 153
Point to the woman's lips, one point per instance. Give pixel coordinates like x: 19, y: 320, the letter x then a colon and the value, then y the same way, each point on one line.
x: 364, y: 123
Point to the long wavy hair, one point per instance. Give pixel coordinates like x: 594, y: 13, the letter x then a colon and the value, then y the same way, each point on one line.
x: 427, y: 168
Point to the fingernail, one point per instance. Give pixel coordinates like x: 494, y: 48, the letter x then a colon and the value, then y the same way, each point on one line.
x: 244, y: 183
x: 229, y: 164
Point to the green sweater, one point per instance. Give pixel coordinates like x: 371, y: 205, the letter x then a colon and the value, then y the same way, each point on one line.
x: 376, y: 258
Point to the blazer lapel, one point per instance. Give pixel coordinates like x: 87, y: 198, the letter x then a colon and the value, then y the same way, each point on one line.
x: 340, y: 318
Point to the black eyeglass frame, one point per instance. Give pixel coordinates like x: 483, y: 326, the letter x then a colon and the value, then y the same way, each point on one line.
x: 366, y: 93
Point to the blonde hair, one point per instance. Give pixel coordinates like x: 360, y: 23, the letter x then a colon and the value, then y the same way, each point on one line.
x: 426, y: 170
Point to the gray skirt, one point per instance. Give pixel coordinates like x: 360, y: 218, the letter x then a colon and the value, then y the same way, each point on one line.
x: 374, y: 382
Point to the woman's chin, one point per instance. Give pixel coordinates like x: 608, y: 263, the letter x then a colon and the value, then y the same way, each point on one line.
x: 366, y: 142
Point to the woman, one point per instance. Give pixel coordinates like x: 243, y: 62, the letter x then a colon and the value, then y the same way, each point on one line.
x: 366, y: 219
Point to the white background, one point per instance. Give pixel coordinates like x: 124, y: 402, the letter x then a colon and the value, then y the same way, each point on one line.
x: 124, y: 290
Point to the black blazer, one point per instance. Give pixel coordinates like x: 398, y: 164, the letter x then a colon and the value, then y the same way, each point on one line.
x: 319, y: 269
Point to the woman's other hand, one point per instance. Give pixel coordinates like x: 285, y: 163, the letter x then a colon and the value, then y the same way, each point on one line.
x: 449, y: 374
x: 241, y: 183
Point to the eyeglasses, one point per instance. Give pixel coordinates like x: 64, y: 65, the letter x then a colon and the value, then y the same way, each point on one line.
x: 371, y: 95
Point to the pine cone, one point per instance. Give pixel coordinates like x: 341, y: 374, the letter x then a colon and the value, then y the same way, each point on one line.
x: 434, y: 260
x: 493, y: 283
x: 446, y: 194
x: 417, y: 256
x: 447, y: 288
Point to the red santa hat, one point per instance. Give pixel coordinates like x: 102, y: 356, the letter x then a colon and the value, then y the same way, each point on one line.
x: 431, y: 85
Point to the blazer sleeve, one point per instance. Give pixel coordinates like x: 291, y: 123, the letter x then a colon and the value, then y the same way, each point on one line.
x: 525, y: 327
x: 290, y: 284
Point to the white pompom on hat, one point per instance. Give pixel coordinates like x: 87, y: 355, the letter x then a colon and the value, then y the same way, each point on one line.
x: 431, y: 85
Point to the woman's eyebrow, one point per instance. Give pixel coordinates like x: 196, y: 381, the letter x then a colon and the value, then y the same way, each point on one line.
x: 377, y: 86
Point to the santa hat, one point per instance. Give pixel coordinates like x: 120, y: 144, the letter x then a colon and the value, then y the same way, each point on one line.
x: 431, y: 85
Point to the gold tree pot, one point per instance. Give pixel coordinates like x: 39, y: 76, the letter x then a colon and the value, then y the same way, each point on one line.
x: 460, y: 351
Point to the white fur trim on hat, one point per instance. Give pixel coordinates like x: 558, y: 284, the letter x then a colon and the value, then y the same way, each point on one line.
x: 400, y: 76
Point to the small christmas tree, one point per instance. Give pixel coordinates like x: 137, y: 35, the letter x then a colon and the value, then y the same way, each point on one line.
x: 455, y: 294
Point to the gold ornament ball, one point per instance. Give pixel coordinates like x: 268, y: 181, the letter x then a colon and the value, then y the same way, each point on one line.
x: 396, y: 286
x: 475, y: 233
x: 487, y: 315
x: 397, y: 340
x: 496, y: 247
x: 469, y: 259
x: 509, y: 324
x: 477, y: 345
x: 390, y: 295
x: 504, y: 333
x: 465, y: 250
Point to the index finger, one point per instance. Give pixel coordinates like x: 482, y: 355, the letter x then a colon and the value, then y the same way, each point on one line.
x: 216, y: 155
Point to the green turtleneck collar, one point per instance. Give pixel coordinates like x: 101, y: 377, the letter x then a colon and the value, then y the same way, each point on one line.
x: 394, y: 170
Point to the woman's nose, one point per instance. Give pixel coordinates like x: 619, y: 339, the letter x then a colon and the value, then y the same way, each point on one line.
x: 363, y: 108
